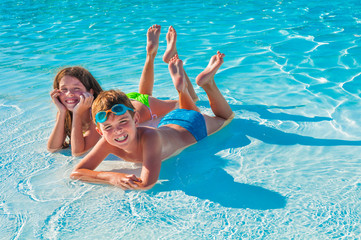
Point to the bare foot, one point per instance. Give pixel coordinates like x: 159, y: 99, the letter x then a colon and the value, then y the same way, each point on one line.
x: 171, y: 45
x: 207, y: 76
x: 153, y: 40
x: 177, y: 73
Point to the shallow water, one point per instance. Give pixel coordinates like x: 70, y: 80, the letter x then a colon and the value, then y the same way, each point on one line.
x: 288, y: 166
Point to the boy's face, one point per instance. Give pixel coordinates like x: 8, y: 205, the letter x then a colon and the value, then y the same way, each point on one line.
x: 119, y: 130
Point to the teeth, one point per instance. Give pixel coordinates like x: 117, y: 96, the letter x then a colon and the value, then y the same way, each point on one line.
x: 119, y: 139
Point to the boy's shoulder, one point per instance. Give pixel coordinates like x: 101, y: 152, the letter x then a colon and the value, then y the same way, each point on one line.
x: 147, y: 133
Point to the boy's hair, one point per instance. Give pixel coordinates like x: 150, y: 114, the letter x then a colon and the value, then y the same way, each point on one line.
x: 107, y: 99
x: 89, y: 82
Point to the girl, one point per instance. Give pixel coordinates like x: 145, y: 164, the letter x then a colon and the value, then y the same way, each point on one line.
x: 75, y: 88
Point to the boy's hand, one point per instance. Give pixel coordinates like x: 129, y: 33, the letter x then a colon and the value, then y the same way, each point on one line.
x: 86, y: 100
x: 54, y: 94
x: 126, y: 182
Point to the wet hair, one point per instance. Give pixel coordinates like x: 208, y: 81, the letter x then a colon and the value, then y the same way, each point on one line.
x: 89, y: 82
x: 107, y: 99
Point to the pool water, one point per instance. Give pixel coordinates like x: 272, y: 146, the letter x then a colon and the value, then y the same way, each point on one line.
x: 287, y: 167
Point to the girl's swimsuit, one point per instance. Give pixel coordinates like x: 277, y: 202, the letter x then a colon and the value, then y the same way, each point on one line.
x: 143, y: 98
x: 191, y: 120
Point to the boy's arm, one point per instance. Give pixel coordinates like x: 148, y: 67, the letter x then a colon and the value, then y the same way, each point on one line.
x: 84, y: 171
x: 152, y: 160
x: 151, y: 144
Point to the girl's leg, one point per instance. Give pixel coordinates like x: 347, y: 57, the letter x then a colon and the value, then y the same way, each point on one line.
x: 147, y: 79
x: 170, y: 52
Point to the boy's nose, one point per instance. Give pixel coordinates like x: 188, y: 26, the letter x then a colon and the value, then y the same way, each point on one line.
x: 119, y: 129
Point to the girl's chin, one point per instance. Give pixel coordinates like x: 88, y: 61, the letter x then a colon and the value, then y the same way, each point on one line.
x: 70, y: 107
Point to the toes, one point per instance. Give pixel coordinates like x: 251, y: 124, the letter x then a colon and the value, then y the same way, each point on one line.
x: 179, y: 62
x: 174, y: 58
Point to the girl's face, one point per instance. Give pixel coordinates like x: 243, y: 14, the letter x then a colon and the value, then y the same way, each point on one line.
x: 70, y: 91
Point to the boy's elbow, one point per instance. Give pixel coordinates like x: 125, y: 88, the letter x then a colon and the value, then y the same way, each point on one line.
x: 230, y: 118
x: 145, y: 186
x: 75, y: 175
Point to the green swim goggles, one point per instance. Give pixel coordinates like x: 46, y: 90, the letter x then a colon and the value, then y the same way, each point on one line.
x: 117, y: 109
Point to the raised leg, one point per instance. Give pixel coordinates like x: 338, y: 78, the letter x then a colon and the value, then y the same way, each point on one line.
x: 205, y: 79
x: 147, y: 79
x: 180, y: 83
x: 170, y: 52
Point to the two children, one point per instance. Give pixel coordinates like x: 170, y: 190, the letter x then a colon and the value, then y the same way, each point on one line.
x: 75, y: 89
x: 117, y: 122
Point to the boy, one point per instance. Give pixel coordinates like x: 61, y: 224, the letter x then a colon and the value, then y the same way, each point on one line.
x: 117, y: 123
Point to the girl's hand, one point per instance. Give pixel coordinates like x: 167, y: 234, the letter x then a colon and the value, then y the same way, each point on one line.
x: 126, y: 182
x: 86, y: 100
x: 54, y: 94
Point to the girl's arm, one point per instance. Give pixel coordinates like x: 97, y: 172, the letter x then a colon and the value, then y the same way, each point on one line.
x: 91, y: 137
x: 82, y: 142
x: 57, y: 136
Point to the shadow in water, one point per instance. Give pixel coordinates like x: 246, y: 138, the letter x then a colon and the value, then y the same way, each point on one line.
x: 219, y: 187
x: 264, y: 113
x: 270, y: 135
x: 205, y: 178
x: 247, y: 127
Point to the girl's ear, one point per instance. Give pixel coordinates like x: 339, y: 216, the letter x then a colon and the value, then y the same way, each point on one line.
x: 91, y: 91
x: 99, y: 131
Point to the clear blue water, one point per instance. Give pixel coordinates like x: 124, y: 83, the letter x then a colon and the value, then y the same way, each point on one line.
x: 287, y: 167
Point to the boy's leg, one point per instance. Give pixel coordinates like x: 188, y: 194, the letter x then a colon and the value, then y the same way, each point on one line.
x: 177, y: 73
x: 162, y: 107
x: 205, y: 79
x: 147, y: 79
x: 170, y: 52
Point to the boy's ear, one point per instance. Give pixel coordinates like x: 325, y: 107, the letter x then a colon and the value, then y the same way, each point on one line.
x: 99, y: 131
x: 136, y: 118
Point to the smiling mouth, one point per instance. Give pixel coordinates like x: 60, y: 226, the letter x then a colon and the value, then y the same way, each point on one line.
x: 71, y: 101
x: 121, y: 138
